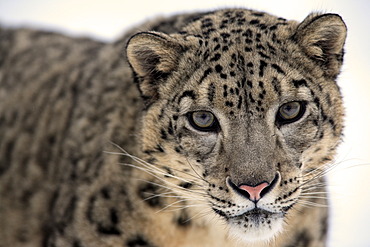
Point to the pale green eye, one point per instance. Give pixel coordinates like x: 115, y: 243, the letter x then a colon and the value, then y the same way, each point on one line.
x: 290, y: 112
x: 203, y: 121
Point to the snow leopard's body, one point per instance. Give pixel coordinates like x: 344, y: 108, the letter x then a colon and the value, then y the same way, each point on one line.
x: 222, y: 140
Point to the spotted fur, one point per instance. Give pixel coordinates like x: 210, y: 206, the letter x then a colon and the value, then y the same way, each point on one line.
x: 100, y: 150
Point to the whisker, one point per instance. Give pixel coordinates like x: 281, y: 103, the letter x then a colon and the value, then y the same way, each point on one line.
x: 312, y: 197
x: 178, y: 208
x: 199, y: 215
x: 316, y: 193
x: 169, y: 205
x: 161, y: 179
x: 148, y: 165
x: 182, y: 190
x: 312, y: 204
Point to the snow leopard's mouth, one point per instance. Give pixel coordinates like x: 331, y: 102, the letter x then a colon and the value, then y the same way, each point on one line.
x: 256, y: 216
x: 256, y: 225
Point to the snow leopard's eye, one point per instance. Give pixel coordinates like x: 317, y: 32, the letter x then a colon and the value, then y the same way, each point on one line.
x: 203, y: 121
x: 290, y: 112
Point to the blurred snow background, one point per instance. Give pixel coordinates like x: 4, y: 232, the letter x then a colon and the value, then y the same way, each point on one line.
x: 350, y: 180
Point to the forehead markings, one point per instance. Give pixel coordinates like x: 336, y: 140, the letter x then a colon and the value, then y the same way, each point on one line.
x: 188, y: 93
x: 225, y: 38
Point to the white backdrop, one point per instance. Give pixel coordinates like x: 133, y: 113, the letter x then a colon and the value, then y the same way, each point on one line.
x: 350, y: 180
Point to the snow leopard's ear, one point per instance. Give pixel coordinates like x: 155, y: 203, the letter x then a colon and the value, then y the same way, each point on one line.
x: 152, y: 56
x: 322, y: 37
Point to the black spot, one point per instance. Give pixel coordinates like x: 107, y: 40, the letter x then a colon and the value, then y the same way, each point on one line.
x: 225, y: 90
x: 251, y: 98
x: 114, y: 216
x: 205, y: 25
x: 240, y: 101
x: 168, y: 171
x: 185, y: 185
x: 229, y: 104
x: 303, y: 238
x: 272, y: 49
x: 276, y: 85
x: 110, y: 229
x: 170, y: 129
x: 219, y: 212
x: 262, y: 26
x: 262, y: 67
x: 206, y: 54
x: 324, y: 228
x: 216, y: 57
x: 260, y: 47
x: 248, y: 41
x: 163, y: 134
x: 241, y: 22
x: 263, y: 55
x: 159, y: 148
x: 274, y: 27
x: 76, y: 243
x: 188, y: 93
x: 225, y: 35
x: 248, y: 49
x: 178, y: 150
x: 223, y: 76
x: 258, y: 14
x: 243, y: 80
x: 183, y: 220
x: 138, y: 241
x: 233, y: 57
x: 249, y: 83
x: 146, y: 192
x: 247, y: 33
x: 211, y: 92
x: 299, y: 83
x: 206, y: 73
x: 218, y: 68
x: 254, y: 22
x: 105, y: 193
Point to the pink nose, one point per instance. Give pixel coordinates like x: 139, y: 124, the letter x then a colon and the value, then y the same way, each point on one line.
x: 254, y: 191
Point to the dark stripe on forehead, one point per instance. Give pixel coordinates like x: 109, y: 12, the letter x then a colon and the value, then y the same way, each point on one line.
x: 206, y: 73
x: 262, y: 67
x: 276, y: 85
x: 278, y: 69
x: 188, y: 93
x: 211, y: 92
x: 299, y: 83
